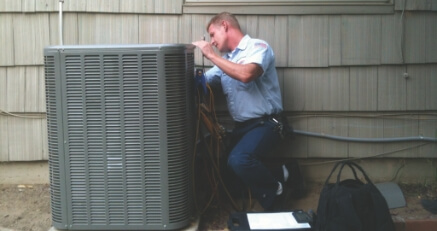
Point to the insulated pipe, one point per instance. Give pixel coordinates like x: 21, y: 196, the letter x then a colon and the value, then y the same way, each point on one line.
x: 60, y: 22
x: 369, y: 140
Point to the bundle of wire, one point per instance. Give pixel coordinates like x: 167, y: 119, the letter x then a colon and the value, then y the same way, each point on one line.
x: 210, y: 136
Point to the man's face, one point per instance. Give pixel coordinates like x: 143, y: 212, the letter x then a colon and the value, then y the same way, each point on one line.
x: 218, y: 37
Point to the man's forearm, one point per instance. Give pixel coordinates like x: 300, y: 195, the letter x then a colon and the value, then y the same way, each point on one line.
x: 242, y: 72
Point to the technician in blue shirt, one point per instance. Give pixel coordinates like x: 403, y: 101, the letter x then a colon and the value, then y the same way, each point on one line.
x: 248, y: 77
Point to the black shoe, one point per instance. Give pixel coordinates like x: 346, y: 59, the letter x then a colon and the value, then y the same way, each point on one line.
x: 295, y: 181
x: 280, y: 201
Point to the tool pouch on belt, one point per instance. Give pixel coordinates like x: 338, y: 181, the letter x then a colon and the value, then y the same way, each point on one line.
x: 283, y: 127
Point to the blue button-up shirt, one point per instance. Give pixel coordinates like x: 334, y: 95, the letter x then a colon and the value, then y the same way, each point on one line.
x: 257, y: 98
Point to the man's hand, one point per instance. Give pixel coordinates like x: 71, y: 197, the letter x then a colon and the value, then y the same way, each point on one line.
x: 242, y: 72
x: 206, y: 48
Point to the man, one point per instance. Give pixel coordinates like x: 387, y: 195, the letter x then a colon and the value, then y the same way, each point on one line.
x: 248, y: 77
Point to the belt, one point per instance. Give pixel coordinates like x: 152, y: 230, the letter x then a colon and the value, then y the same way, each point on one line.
x: 257, y: 120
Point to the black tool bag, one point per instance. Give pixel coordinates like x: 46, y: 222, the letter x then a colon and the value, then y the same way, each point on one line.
x: 351, y: 205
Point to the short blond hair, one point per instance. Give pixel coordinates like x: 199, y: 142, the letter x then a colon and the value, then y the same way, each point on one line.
x: 224, y: 16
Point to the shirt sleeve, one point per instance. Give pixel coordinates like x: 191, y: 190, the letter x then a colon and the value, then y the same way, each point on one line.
x: 259, y: 53
x: 213, y: 76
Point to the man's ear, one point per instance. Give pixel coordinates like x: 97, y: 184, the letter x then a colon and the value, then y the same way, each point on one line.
x: 225, y: 25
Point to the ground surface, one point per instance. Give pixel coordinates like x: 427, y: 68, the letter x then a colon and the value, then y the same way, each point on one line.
x: 215, y: 217
x: 27, y: 207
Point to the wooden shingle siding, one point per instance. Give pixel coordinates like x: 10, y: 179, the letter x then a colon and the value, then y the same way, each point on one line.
x: 416, y: 93
x: 280, y: 41
x: 298, y: 41
x: 168, y: 6
x: 70, y: 36
x: 391, y: 39
x: 159, y: 29
x: 319, y: 147
x: 402, y: 126
x: 361, y: 40
x: 420, y: 37
x: 298, y: 147
x: 137, y: 6
x: 267, y: 35
x: 3, y: 88
x: 6, y: 40
x: 197, y: 26
x: 415, y: 38
x: 34, y: 95
x: 4, y: 138
x: 428, y: 128
x: 308, y: 41
x: 26, y: 139
x: 15, y: 89
x: 336, y: 90
x: 294, y: 90
x: 391, y: 88
x: 75, y: 6
x: 377, y: 88
x: 421, y: 87
x: 322, y: 89
x: 431, y: 86
x: 353, y: 75
x: 48, y: 5
x: 31, y: 34
x: 10, y: 6
x: 412, y: 5
x: 363, y: 88
x: 335, y: 43
x: 107, y: 28
x: 22, y: 89
x: 28, y: 5
x: 101, y: 6
x: 431, y: 37
x: 365, y: 127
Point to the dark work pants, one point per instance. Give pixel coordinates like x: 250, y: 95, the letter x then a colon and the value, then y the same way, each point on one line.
x: 254, y: 140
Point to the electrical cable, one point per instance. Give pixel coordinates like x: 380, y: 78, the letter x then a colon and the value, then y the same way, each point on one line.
x: 378, y: 116
x: 207, y: 117
x: 397, y: 171
x: 366, y: 157
x: 37, y: 116
x: 368, y: 140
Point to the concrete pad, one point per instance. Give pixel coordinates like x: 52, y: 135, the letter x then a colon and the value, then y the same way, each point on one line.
x: 192, y: 227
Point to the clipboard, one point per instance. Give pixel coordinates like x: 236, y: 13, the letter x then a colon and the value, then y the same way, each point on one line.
x: 272, y: 221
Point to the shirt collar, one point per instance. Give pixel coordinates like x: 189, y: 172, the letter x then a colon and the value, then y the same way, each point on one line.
x: 241, y: 46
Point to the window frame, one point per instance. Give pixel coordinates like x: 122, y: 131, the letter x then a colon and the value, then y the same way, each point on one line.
x: 289, y: 7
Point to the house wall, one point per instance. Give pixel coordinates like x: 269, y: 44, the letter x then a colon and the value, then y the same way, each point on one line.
x: 369, y: 75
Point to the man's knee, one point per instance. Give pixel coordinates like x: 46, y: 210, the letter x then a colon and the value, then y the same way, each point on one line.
x: 236, y: 163
x: 233, y: 162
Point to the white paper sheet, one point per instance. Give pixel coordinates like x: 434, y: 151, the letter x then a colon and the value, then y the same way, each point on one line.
x: 274, y: 221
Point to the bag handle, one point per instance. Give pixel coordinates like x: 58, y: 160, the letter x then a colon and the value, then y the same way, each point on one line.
x: 352, y: 166
x: 348, y: 163
x: 333, y: 170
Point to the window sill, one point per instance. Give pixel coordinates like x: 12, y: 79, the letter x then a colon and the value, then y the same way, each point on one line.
x: 289, y: 8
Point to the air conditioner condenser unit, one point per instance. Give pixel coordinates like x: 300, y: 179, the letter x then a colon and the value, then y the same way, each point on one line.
x: 120, y: 124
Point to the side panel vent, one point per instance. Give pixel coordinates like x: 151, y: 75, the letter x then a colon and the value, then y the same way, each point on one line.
x: 178, y: 130
x: 120, y: 136
x: 52, y: 131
